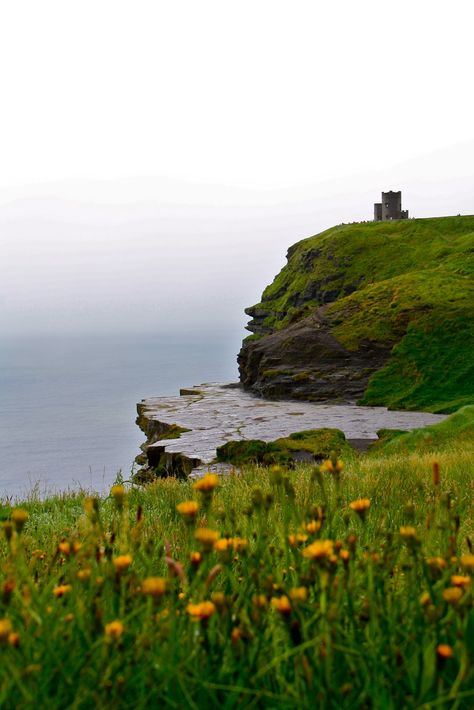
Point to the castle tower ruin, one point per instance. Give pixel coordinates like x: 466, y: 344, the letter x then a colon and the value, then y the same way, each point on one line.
x: 390, y: 207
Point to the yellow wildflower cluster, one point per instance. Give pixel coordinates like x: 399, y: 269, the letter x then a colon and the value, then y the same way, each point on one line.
x: 122, y: 562
x: 207, y: 484
x: 318, y: 550
x: 201, y: 611
x: 188, y: 509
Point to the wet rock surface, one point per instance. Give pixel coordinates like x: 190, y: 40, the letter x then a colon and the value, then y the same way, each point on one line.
x: 218, y: 413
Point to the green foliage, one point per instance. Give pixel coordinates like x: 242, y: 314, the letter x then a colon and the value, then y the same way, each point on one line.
x: 457, y: 431
x: 304, y: 599
x: 349, y: 257
x: 406, y: 284
x: 316, y: 444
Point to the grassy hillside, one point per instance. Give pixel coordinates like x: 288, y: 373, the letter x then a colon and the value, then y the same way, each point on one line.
x: 455, y: 433
x: 351, y: 256
x: 407, y: 285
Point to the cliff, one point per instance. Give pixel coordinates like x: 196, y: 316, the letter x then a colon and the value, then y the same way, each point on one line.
x: 380, y: 313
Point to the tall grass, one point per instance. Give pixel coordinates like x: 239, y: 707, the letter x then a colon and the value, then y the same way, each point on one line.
x: 274, y: 593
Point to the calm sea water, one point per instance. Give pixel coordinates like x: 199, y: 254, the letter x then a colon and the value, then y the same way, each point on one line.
x: 68, y: 404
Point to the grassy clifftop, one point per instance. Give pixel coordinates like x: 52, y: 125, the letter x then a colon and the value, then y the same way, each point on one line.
x: 403, y: 287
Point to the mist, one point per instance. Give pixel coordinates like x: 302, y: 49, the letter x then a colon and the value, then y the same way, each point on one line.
x: 151, y: 255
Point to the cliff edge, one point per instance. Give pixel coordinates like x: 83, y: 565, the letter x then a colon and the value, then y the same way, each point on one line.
x: 380, y: 313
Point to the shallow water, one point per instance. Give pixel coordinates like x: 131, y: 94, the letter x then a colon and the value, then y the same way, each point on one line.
x: 68, y: 405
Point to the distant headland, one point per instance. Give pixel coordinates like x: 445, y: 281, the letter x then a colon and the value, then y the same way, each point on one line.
x: 374, y: 312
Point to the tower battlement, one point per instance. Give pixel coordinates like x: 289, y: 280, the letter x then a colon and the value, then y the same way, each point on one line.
x: 390, y: 207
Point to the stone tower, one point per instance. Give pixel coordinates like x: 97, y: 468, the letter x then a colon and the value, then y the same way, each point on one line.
x: 390, y: 207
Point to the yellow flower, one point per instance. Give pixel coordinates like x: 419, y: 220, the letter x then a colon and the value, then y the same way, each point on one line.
x: 61, y: 590
x: 114, y: 629
x: 425, y: 599
x: 91, y: 505
x: 64, y: 547
x: 207, y: 483
x: 467, y: 561
x: 344, y: 555
x: 118, y: 494
x: 282, y: 605
x: 259, y: 601
x: 84, y: 574
x: 188, y: 509
x: 299, y: 594
x: 195, y: 558
x: 201, y: 611
x: 444, y: 651
x: 236, y: 635
x: 313, y: 526
x: 8, y: 529
x: 458, y: 580
x: 122, y: 562
x: 14, y: 639
x: 206, y: 536
x: 319, y: 549
x: 360, y: 506
x: 5, y: 629
x: 332, y: 466
x: 222, y: 545
x: 218, y: 598
x: 408, y: 532
x: 19, y: 518
x: 154, y: 586
x: 436, y: 564
x: 452, y: 595
x: 294, y: 540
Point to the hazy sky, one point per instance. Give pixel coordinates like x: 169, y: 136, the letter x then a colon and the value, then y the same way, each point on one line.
x: 157, y: 158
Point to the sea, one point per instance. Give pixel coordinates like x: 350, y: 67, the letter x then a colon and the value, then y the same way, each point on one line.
x: 68, y: 403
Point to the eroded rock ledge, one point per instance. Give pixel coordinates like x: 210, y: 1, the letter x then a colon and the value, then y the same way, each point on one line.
x: 182, y: 433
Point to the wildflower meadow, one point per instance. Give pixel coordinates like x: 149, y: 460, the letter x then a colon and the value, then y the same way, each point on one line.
x: 344, y: 585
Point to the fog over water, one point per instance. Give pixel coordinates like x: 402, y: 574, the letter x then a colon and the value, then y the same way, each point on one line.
x: 149, y: 254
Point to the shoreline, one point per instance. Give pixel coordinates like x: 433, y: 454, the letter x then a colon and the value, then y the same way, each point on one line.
x: 183, y: 432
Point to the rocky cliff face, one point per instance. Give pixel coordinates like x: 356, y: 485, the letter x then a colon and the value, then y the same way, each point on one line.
x: 305, y: 361
x: 358, y: 312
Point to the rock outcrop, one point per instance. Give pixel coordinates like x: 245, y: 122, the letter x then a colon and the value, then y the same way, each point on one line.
x: 305, y: 361
x: 379, y: 313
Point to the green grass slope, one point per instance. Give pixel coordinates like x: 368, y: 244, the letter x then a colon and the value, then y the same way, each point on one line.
x: 456, y: 431
x: 408, y: 284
